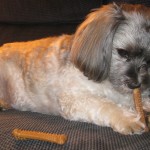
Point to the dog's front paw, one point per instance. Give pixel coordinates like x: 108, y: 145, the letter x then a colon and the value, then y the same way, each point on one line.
x: 129, y: 125
x: 3, y: 105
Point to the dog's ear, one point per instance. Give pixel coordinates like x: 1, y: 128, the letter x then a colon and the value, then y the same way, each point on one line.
x: 92, y: 45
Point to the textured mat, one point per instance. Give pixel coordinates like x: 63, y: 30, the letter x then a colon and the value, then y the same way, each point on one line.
x: 81, y: 136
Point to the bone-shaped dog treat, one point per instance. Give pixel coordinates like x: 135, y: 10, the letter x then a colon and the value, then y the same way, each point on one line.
x: 138, y: 106
x: 25, y: 134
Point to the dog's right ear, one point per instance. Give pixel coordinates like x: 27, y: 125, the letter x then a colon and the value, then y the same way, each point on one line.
x: 92, y: 45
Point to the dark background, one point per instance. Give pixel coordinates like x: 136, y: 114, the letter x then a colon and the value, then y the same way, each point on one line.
x: 22, y: 20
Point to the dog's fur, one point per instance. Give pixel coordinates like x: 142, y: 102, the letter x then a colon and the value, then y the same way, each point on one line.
x: 88, y: 76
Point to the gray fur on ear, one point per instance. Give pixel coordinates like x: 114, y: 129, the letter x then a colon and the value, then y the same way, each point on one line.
x: 92, y: 45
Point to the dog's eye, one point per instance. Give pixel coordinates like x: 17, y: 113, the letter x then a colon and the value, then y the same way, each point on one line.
x: 123, y: 53
x: 143, y: 69
x: 148, y: 63
x: 148, y: 28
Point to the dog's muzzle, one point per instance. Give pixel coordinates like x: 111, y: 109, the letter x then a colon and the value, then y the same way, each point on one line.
x: 134, y: 85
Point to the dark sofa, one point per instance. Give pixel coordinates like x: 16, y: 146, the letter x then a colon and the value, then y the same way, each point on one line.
x: 24, y: 20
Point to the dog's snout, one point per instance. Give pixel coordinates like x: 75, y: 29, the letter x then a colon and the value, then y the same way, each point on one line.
x: 134, y: 85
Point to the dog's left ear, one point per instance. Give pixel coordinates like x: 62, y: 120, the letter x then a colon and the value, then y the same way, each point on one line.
x: 92, y: 45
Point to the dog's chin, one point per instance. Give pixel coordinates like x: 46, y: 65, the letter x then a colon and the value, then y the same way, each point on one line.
x: 124, y: 89
x: 121, y: 87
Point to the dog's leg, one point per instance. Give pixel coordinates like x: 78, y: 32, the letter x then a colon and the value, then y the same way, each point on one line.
x: 4, y: 105
x: 101, y: 112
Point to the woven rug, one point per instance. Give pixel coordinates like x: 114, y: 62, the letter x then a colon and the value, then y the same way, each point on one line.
x: 81, y: 136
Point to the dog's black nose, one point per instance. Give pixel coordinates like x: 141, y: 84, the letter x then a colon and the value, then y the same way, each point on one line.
x: 134, y: 85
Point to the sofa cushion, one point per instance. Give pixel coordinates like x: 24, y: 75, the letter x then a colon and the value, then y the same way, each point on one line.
x: 20, y: 32
x: 45, y: 11
x: 81, y: 136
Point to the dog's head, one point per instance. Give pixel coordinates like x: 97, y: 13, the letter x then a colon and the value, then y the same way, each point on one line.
x: 114, y: 43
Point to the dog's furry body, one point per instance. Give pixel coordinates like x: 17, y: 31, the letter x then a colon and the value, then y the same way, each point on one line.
x: 86, y: 76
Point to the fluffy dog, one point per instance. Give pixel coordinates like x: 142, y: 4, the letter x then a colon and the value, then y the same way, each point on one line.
x: 88, y: 76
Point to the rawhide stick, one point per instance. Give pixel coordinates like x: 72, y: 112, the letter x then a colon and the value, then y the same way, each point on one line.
x: 138, y: 106
x: 25, y: 134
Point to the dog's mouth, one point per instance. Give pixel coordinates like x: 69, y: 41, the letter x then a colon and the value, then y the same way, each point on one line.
x: 130, y: 85
x: 126, y: 85
x: 128, y: 88
x: 134, y: 85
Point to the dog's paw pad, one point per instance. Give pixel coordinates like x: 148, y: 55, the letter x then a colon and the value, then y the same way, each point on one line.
x: 129, y: 126
x: 133, y: 128
x: 4, y: 106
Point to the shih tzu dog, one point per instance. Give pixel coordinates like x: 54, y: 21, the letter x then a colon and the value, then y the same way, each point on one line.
x: 88, y: 76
